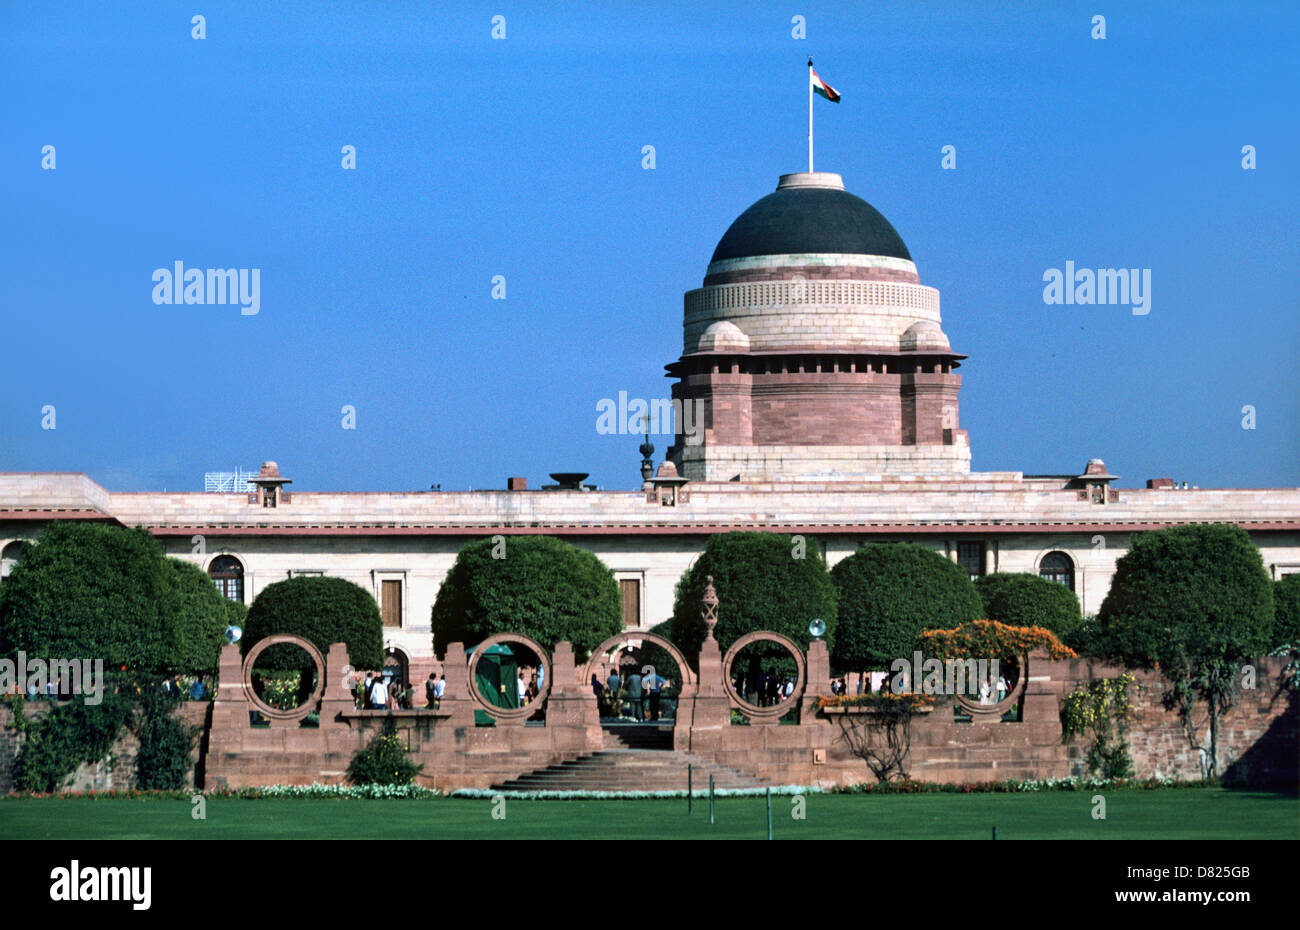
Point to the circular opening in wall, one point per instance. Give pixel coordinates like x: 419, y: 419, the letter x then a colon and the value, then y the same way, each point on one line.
x: 765, y: 674
x: 509, y: 677
x: 985, y: 687
x: 284, y: 677
x: 637, y: 680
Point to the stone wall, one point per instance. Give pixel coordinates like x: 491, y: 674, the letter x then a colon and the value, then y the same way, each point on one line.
x: 117, y: 771
x: 1259, y: 740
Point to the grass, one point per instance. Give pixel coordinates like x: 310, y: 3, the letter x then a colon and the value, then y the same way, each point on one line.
x: 1212, y: 813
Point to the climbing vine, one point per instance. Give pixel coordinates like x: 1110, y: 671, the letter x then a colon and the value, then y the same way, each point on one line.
x: 1102, y: 708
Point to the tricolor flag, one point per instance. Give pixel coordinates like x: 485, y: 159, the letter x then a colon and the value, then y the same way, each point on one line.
x: 821, y: 87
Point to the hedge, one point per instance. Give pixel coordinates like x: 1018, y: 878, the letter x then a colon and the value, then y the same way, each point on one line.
x: 542, y: 587
x: 322, y: 610
x: 889, y: 593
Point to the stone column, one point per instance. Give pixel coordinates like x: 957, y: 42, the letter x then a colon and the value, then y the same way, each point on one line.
x: 456, y: 697
x: 572, y: 717
x: 710, y: 708
x: 336, y: 698
x: 819, y: 674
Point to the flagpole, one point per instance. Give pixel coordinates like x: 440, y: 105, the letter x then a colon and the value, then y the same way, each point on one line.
x: 810, y: 114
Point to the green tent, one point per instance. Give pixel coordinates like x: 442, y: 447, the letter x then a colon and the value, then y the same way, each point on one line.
x: 496, y: 674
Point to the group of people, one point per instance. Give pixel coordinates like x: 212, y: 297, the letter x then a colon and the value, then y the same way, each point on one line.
x: 187, y: 687
x: 641, y: 696
x: 377, y: 692
x: 529, y: 685
x: 764, y: 689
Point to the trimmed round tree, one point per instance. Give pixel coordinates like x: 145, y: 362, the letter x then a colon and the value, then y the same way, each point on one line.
x: 540, y: 586
x: 764, y: 581
x: 1197, y: 602
x: 889, y: 593
x: 202, y: 616
x: 97, y: 591
x: 1027, y: 600
x: 322, y: 610
x: 1286, y: 617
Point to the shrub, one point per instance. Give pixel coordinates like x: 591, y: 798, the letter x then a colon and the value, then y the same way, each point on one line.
x: 95, y: 590
x: 321, y: 610
x: 888, y: 594
x: 202, y: 616
x: 1286, y: 602
x: 539, y: 586
x: 1197, y: 602
x: 988, y: 639
x: 1028, y: 600
x: 383, y: 761
x: 764, y: 581
x: 163, y: 761
x: 70, y: 734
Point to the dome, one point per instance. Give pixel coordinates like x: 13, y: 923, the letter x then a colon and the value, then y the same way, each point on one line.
x: 921, y: 335
x: 723, y: 336
x: 810, y: 214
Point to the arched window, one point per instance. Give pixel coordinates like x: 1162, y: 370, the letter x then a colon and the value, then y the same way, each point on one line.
x: 228, y: 574
x: 1056, y: 566
x: 9, y: 557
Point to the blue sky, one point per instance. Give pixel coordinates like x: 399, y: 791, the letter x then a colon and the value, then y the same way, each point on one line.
x: 522, y: 157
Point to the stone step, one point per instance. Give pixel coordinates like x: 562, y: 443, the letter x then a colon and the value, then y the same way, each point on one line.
x: 629, y: 770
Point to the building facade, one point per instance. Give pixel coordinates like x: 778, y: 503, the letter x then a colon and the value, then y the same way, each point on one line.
x: 829, y: 405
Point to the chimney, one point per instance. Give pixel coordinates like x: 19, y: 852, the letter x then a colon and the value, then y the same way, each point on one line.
x: 516, y: 484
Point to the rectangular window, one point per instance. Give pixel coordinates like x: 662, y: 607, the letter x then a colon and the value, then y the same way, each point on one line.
x: 390, y: 605
x: 630, y: 589
x: 971, y: 557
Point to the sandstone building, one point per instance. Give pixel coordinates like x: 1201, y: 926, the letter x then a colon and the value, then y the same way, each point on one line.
x: 831, y: 409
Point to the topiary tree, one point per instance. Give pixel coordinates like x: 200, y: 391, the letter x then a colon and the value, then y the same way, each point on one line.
x: 1286, y: 607
x: 1028, y: 600
x: 202, y: 616
x: 764, y: 581
x: 103, y: 591
x: 889, y: 593
x: 539, y: 586
x: 1197, y: 602
x: 322, y: 610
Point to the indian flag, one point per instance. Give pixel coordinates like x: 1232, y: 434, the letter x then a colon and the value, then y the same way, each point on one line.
x: 821, y: 87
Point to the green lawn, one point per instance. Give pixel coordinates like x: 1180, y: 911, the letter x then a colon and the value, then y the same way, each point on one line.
x: 1131, y: 814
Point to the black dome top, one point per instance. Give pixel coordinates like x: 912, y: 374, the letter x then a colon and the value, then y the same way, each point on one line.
x: 794, y: 220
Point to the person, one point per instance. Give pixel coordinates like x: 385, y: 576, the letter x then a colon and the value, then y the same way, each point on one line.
x: 613, y: 682
x: 438, y: 689
x: 654, y: 687
x: 430, y: 686
x: 541, y: 677
x: 366, y: 699
x: 197, y: 689
x: 521, y: 688
x: 634, y: 694
x: 985, y: 691
x: 1002, y: 688
x: 773, y: 690
x: 394, y: 693
x: 595, y: 684
x: 378, y: 693
x: 789, y: 689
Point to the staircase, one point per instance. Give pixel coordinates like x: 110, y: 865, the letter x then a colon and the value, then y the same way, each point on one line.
x: 641, y: 758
